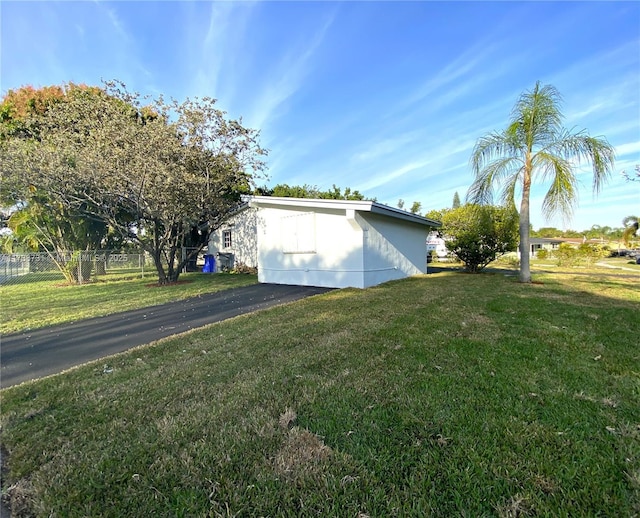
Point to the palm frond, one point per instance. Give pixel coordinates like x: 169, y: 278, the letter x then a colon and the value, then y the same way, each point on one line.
x: 582, y: 147
x: 545, y: 165
x: 562, y: 195
x: 602, y: 156
x: 495, y: 173
x: 487, y: 148
x: 537, y: 115
x: 509, y: 191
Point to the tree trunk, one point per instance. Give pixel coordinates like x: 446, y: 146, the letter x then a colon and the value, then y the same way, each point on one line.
x: 157, y: 260
x: 525, y: 268
x: 172, y: 272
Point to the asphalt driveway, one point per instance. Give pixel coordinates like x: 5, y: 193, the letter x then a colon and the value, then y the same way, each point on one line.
x: 41, y: 352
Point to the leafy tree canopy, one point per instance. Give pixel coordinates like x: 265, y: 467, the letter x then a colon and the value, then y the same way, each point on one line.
x: 415, y: 207
x: 435, y: 214
x: 284, y: 190
x: 546, y: 232
x: 160, y: 174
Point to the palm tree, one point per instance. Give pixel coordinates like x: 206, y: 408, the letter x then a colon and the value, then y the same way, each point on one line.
x: 535, y: 146
x: 631, y: 225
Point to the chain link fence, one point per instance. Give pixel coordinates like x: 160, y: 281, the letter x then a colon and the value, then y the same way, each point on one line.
x: 82, y: 266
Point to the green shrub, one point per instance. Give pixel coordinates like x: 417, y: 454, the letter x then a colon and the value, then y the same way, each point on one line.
x: 566, y: 255
x: 585, y: 254
x: 542, y: 254
x: 479, y: 234
x: 591, y: 253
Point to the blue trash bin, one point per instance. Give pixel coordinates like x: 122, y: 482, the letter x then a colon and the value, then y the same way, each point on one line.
x: 209, y: 264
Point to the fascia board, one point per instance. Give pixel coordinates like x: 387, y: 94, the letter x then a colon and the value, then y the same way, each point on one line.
x: 347, y: 205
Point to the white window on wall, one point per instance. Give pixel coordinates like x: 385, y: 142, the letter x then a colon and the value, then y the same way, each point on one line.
x: 226, y: 239
x: 299, y: 234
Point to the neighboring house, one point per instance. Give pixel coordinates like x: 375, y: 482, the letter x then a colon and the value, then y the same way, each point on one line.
x: 331, y: 243
x: 543, y: 243
x: 235, y: 242
x: 552, y: 244
x: 435, y: 243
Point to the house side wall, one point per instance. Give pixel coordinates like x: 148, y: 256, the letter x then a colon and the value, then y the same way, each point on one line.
x: 244, y: 245
x: 392, y: 249
x: 309, y: 248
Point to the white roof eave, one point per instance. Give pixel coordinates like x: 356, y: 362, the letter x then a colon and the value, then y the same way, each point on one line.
x: 355, y: 205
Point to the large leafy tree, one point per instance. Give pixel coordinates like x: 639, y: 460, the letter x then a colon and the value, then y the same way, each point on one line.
x: 479, y: 234
x: 536, y: 147
x: 159, y: 174
x: 37, y: 220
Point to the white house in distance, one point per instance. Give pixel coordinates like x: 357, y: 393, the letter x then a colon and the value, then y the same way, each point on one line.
x: 318, y: 242
x: 436, y: 244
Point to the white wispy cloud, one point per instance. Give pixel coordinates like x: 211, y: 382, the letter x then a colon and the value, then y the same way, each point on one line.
x: 427, y: 164
x: 211, y: 37
x: 462, y: 66
x: 629, y: 148
x: 116, y: 22
x: 286, y: 78
x: 385, y: 178
x: 375, y: 149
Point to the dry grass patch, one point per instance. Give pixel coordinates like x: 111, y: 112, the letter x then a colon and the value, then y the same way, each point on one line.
x: 301, y: 456
x: 287, y: 418
x: 517, y: 506
x: 605, y: 401
x: 21, y: 498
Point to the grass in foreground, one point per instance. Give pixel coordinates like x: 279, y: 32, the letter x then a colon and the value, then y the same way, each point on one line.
x: 442, y: 395
x: 41, y: 303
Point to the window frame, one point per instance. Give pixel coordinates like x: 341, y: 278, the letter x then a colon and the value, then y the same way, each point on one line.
x: 227, y: 239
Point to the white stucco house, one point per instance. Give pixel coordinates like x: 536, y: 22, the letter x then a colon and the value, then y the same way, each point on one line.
x: 236, y: 240
x: 329, y: 243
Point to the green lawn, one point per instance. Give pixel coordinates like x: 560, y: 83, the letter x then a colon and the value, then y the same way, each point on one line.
x: 33, y: 304
x: 441, y: 395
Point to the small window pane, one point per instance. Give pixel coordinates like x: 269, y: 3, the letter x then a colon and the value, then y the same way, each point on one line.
x: 226, y: 238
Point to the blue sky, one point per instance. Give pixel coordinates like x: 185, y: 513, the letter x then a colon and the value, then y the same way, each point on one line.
x: 384, y: 97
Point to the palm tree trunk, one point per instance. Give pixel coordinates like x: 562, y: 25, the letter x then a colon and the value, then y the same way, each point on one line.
x: 525, y: 267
